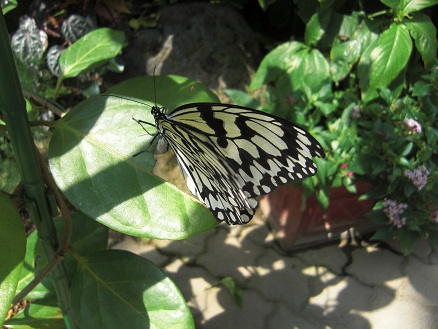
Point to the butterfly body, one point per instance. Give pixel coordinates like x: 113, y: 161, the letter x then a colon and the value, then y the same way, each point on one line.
x: 232, y: 154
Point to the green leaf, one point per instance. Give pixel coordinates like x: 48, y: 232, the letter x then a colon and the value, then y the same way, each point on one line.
x: 349, y: 185
x: 420, y: 89
x: 391, y: 3
x: 383, y: 60
x: 343, y: 56
x: 407, y: 239
x: 91, y: 51
x: 314, y: 73
x: 316, y: 27
x: 284, y: 58
x: 91, y: 158
x: 378, y: 216
x: 407, y: 149
x: 423, y: 32
x: 7, y: 6
x: 382, y: 234
x: 119, y: 289
x: 302, y: 70
x: 242, y: 98
x: 409, y: 6
x: 263, y: 4
x: 12, y: 252
x: 403, y: 162
x: 39, y: 314
x: 323, y: 198
x: 433, y: 237
x: 235, y: 290
x: 390, y: 55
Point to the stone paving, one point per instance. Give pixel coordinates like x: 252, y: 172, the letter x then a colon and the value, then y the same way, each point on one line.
x: 324, y: 287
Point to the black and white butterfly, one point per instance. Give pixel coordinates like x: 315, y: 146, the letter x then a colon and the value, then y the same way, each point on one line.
x: 232, y: 154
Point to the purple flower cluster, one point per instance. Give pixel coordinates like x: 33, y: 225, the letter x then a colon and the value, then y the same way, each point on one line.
x: 418, y: 176
x: 394, y: 211
x: 356, y: 112
x: 413, y: 126
x: 435, y: 216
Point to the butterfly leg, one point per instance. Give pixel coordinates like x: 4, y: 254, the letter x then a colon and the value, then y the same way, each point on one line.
x: 141, y: 123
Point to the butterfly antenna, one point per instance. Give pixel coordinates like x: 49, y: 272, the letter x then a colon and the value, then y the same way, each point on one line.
x: 155, y: 89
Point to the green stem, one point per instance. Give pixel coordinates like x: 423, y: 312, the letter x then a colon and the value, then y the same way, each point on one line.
x: 377, y: 14
x: 13, y: 108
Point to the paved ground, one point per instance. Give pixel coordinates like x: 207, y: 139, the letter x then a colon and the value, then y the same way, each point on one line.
x: 325, y: 287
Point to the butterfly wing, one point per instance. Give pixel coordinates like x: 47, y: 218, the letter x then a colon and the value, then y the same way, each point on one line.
x: 231, y: 154
x: 208, y: 176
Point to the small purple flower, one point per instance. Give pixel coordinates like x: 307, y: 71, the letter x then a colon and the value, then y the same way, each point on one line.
x: 435, y: 216
x: 418, y: 176
x: 413, y: 126
x: 394, y: 211
x: 356, y: 112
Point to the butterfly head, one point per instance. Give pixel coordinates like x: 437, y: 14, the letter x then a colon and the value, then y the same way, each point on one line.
x: 158, y: 112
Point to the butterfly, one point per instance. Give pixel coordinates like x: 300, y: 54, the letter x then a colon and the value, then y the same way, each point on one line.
x: 230, y: 154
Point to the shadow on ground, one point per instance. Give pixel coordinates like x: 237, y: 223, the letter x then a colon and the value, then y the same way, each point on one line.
x: 328, y: 287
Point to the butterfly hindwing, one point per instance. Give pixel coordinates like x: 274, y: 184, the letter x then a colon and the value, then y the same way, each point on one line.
x: 208, y: 176
x: 231, y: 154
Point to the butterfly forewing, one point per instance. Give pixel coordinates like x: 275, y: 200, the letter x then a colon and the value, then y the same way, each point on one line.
x: 231, y: 154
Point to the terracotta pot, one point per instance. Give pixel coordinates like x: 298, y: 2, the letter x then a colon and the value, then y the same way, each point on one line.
x: 295, y: 228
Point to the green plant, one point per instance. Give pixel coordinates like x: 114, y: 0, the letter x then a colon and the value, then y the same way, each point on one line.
x: 42, y: 72
x: 90, y: 159
x: 364, y: 84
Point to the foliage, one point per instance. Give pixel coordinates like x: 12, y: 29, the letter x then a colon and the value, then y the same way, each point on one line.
x: 94, y: 128
x: 39, y: 69
x: 364, y: 84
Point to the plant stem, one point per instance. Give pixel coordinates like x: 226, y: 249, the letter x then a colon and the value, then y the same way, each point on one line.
x: 50, y: 105
x: 40, y: 277
x: 13, y: 108
x: 65, y: 212
x: 377, y: 14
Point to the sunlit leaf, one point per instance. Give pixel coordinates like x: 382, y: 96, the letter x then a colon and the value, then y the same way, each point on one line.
x: 91, y: 158
x: 118, y: 289
x: 91, y: 51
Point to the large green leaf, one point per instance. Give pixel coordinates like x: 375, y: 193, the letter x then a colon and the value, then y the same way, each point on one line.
x: 119, y: 289
x: 12, y: 250
x: 279, y: 61
x: 92, y: 50
x: 409, y: 6
x: 423, y: 32
x: 390, y: 55
x: 310, y: 76
x: 294, y: 67
x: 384, y: 60
x: 345, y: 53
x: 91, y: 158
